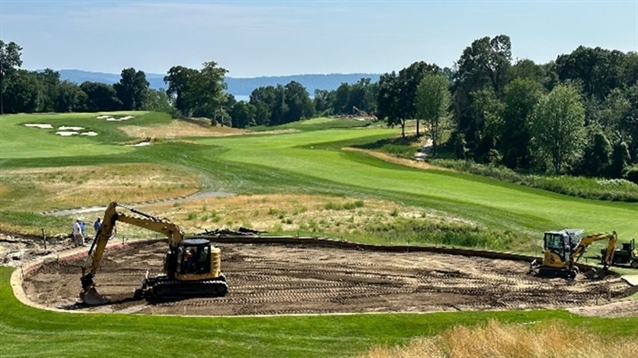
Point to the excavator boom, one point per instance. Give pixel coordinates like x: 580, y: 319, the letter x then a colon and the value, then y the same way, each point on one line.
x: 174, y: 233
x: 588, y: 240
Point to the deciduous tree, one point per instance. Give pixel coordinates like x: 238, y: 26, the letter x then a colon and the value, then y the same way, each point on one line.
x: 521, y: 95
x: 9, y: 59
x: 558, y: 127
x: 100, y: 97
x: 388, y: 107
x: 131, y: 88
x: 70, y: 98
x: 432, y: 104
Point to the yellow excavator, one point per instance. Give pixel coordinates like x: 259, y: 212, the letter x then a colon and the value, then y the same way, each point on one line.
x: 192, y: 267
x: 562, y: 249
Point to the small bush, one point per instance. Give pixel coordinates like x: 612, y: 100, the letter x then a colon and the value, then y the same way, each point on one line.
x: 631, y: 174
x: 418, y: 231
x: 332, y: 206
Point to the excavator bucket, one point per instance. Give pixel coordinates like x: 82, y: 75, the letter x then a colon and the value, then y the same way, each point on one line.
x: 92, y: 298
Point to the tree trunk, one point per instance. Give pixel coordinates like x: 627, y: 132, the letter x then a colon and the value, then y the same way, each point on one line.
x: 417, y: 128
x: 403, y: 128
x: 434, y: 130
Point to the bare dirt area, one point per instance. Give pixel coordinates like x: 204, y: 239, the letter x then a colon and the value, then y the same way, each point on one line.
x: 180, y: 128
x: 293, y: 279
x: 396, y: 160
x: 183, y: 128
x: 16, y: 250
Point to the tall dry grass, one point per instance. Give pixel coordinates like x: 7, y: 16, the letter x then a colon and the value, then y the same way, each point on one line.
x: 496, y: 340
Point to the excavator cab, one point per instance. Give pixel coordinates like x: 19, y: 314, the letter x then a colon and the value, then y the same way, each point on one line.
x: 559, y: 245
x: 197, y: 257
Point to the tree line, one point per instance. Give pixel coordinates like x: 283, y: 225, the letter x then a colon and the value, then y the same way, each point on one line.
x: 190, y: 93
x: 577, y: 114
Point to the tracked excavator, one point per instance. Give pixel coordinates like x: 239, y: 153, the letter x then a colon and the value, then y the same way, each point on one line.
x: 562, y: 249
x: 192, y: 267
x: 627, y: 254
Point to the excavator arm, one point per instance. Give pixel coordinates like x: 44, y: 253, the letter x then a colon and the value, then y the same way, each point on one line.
x: 174, y: 233
x: 588, y: 240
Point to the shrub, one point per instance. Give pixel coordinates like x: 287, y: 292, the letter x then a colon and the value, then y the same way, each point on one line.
x: 631, y: 174
x: 589, y: 188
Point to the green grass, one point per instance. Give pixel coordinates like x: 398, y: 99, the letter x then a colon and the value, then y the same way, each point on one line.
x: 309, y: 162
x: 29, y: 332
x: 483, y: 200
x: 589, y: 188
x: 19, y: 141
x: 315, y: 124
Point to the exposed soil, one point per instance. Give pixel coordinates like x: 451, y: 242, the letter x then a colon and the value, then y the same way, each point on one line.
x: 397, y: 160
x: 290, y: 279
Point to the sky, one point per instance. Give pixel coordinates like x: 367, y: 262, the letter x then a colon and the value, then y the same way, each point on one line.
x: 273, y: 38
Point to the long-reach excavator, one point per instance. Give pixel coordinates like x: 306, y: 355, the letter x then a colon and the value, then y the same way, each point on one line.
x: 562, y: 249
x: 192, y: 267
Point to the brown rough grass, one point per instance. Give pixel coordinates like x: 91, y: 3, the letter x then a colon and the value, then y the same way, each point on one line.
x: 189, y: 128
x: 279, y: 212
x: 180, y: 128
x: 497, y: 339
x: 73, y: 187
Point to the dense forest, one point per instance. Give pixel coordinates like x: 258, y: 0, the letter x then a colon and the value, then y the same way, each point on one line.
x: 577, y: 114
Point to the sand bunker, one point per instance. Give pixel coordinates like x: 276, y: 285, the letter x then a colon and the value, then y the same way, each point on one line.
x: 66, y: 133
x: 66, y: 128
x: 39, y: 125
x: 115, y: 119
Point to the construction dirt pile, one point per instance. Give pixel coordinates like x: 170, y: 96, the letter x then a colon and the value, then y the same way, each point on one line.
x: 17, y: 249
x: 292, y: 279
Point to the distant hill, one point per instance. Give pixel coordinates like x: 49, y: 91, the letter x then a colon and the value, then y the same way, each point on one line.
x: 236, y: 86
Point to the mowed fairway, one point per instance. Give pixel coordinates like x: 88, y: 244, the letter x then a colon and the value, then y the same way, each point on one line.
x: 483, y: 200
x: 308, y: 162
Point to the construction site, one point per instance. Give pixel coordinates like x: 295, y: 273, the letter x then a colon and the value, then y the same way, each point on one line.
x: 277, y: 278
x: 249, y: 272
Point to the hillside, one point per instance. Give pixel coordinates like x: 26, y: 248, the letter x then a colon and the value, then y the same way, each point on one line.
x: 236, y: 86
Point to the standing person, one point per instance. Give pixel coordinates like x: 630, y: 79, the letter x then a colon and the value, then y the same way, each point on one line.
x: 82, y: 226
x: 97, y: 224
x: 78, y: 237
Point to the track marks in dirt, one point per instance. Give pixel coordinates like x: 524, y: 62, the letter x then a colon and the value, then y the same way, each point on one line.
x: 279, y: 279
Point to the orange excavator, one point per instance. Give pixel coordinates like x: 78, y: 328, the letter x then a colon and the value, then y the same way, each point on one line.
x: 192, y: 267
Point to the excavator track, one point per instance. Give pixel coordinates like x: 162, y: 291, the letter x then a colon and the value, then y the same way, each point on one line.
x: 163, y: 287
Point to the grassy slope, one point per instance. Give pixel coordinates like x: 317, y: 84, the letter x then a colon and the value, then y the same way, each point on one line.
x: 483, y: 200
x: 28, y: 332
x: 19, y: 141
x: 303, y: 161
